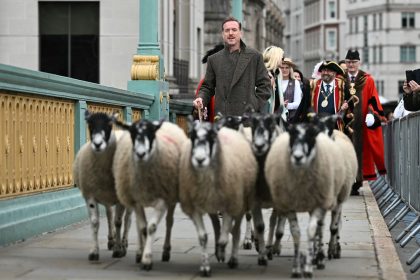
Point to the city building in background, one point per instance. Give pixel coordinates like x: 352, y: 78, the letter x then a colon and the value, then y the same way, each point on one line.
x: 314, y: 31
x: 387, y: 35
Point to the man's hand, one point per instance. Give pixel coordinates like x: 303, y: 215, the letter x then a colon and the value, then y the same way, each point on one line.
x: 198, y: 103
x: 345, y: 106
x: 415, y: 87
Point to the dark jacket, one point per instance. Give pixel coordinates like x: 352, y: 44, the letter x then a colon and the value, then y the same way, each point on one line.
x: 250, y: 83
x: 412, y: 101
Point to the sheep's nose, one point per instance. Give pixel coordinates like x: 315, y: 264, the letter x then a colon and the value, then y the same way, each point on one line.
x: 200, y: 161
x: 140, y: 155
x: 97, y: 145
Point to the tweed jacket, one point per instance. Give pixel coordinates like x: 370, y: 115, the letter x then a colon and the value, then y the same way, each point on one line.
x: 250, y: 84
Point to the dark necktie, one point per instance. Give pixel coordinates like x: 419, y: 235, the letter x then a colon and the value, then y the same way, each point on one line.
x: 328, y: 88
x: 352, y: 79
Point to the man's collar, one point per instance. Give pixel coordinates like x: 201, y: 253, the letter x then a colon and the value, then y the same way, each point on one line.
x: 332, y: 83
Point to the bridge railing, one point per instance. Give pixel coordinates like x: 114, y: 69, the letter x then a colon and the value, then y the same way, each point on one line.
x: 42, y: 126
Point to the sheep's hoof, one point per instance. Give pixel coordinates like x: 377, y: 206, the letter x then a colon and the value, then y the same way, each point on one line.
x: 276, y: 251
x: 221, y: 253
x: 270, y: 255
x: 307, y: 274
x: 93, y: 256
x: 147, y: 267
x: 166, y: 256
x: 119, y: 254
x: 233, y: 262
x: 296, y: 275
x: 111, y: 244
x: 138, y: 258
x: 247, y: 245
x: 205, y: 272
x: 319, y: 260
x: 262, y: 262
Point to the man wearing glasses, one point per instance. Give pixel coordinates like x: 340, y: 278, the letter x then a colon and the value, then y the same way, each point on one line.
x: 366, y: 126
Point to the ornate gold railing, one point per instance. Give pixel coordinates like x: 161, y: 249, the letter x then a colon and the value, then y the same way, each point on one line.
x: 37, y: 148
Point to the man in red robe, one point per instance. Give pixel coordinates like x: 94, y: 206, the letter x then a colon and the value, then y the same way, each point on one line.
x: 368, y: 113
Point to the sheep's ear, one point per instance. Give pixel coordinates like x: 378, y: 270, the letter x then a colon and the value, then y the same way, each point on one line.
x: 122, y: 125
x: 114, y: 117
x: 219, y: 124
x: 87, y: 115
x: 190, y: 124
x: 158, y: 124
x: 218, y: 117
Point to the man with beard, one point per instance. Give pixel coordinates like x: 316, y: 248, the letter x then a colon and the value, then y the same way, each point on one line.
x: 328, y: 95
x: 236, y: 76
x: 368, y: 113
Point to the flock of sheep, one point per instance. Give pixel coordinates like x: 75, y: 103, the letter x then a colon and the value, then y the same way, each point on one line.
x: 222, y: 169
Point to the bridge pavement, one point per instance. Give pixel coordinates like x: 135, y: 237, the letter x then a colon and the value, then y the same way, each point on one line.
x: 367, y: 252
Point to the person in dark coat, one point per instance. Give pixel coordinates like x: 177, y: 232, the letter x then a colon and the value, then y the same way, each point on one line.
x: 236, y: 76
x: 305, y: 104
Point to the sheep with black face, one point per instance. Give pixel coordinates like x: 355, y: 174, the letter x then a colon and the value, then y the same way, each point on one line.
x: 146, y: 172
x: 92, y: 173
x: 217, y: 174
x: 300, y: 174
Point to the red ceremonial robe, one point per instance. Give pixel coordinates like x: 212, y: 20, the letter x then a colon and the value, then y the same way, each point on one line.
x: 368, y: 142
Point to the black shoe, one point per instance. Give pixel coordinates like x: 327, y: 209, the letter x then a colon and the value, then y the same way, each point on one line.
x: 354, y: 191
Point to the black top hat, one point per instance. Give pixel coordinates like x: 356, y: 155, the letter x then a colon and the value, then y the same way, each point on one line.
x: 212, y: 51
x: 353, y: 55
x: 331, y: 65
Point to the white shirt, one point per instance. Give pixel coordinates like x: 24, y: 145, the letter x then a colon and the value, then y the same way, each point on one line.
x: 297, y: 95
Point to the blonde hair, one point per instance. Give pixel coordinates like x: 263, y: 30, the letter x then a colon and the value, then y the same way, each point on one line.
x: 272, y: 56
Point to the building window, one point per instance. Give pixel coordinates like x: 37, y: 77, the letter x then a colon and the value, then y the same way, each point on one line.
x: 407, y: 20
x: 365, y: 23
x: 331, y: 9
x: 380, y: 21
x: 69, y: 39
x: 350, y: 25
x: 374, y: 21
x: 380, y: 54
x: 408, y: 54
x: 331, y: 39
x: 356, y: 24
x: 374, y: 55
x: 365, y: 54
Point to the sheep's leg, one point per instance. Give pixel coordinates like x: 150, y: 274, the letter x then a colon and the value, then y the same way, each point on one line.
x: 141, y: 224
x: 247, y: 244
x: 93, y: 210
x: 127, y: 225
x: 334, y: 248
x: 281, y: 224
x: 316, y: 215
x: 166, y: 254
x: 295, y: 231
x: 216, y: 228
x: 224, y: 236
x: 236, y: 235
x: 159, y: 210
x: 273, y: 222
x: 197, y: 218
x: 259, y: 230
x: 111, y: 227
x: 119, y: 250
x: 319, y: 255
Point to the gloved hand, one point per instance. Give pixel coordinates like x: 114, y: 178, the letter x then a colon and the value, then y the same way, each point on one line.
x: 370, y: 120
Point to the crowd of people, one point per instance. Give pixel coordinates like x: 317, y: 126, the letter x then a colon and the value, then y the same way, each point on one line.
x: 238, y: 77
